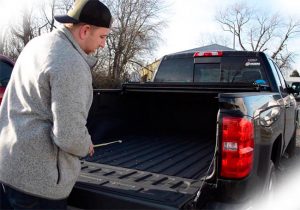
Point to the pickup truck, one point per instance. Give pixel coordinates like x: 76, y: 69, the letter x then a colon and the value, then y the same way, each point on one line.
x: 207, y: 133
x: 6, y: 66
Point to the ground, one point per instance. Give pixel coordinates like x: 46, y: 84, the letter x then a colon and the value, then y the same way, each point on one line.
x: 289, y: 164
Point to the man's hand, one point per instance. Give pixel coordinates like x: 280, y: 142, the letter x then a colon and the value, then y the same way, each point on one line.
x: 91, y: 150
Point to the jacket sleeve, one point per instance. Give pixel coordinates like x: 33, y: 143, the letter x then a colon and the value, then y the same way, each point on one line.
x: 71, y: 97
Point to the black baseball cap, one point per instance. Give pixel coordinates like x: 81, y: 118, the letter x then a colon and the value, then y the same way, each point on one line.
x: 91, y: 12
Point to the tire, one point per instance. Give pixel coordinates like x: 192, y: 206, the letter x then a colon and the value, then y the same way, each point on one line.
x: 265, y: 199
x: 271, y: 184
x: 291, y: 148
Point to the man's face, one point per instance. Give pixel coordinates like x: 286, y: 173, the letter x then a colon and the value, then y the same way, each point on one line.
x: 95, y: 39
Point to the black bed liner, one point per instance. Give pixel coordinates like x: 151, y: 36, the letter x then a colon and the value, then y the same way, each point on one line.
x: 166, y: 170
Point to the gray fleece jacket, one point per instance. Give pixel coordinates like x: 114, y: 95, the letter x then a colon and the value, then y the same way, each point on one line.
x: 43, y: 116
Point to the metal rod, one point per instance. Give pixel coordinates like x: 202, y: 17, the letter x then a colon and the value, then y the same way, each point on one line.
x: 104, y: 144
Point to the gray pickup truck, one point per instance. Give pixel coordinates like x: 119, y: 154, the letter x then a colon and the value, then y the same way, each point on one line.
x: 207, y: 133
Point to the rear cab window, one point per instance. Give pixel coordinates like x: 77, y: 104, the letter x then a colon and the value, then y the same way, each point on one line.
x: 177, y: 69
x: 231, y: 69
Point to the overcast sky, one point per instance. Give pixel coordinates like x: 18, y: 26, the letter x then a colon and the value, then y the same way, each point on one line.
x: 191, y: 22
x: 190, y: 19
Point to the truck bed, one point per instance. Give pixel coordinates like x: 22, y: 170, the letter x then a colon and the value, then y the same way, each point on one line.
x: 168, y: 145
x: 184, y: 157
x: 165, y: 170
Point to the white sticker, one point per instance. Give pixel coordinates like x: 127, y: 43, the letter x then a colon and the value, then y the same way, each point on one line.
x: 252, y: 63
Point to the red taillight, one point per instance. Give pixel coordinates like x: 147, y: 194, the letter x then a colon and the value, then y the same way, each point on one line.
x: 237, y: 147
x: 208, y: 54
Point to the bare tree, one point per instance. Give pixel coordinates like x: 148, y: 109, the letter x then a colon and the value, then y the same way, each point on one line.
x: 26, y: 31
x: 48, y: 10
x: 295, y: 73
x: 19, y: 34
x: 134, y: 35
x: 61, y: 6
x: 2, y: 41
x: 258, y: 31
x: 34, y: 21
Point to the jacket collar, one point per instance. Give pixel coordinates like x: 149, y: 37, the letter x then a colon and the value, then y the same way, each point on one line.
x: 91, y: 60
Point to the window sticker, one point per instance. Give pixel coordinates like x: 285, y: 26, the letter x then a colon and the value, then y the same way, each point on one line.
x: 252, y: 62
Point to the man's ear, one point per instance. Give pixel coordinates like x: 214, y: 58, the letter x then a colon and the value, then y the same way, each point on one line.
x: 84, y: 31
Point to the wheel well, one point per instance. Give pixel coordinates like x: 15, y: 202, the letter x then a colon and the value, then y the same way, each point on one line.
x: 276, y: 150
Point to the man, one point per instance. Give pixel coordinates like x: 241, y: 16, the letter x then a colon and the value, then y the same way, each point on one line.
x: 44, y: 111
